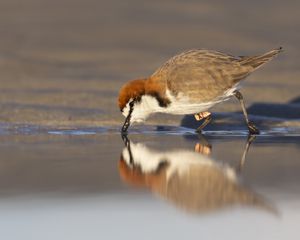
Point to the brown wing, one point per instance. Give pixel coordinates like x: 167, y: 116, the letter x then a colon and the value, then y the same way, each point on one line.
x: 202, y: 75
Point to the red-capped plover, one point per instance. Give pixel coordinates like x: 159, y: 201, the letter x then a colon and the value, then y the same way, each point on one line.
x: 190, y: 180
x: 190, y: 83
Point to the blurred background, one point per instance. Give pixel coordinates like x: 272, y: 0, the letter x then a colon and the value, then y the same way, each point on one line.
x: 63, y: 62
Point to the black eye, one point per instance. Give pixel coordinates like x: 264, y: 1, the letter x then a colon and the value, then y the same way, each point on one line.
x: 131, y: 103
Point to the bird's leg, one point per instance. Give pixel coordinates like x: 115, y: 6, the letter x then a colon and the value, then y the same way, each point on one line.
x: 250, y: 139
x: 251, y: 127
x: 203, y: 115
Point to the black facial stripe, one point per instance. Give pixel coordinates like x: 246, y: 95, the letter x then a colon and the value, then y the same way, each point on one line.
x: 162, y: 102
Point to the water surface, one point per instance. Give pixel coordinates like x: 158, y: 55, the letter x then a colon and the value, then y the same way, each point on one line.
x: 74, y: 183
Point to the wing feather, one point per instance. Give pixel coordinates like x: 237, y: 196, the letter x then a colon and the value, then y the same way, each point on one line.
x: 201, y: 75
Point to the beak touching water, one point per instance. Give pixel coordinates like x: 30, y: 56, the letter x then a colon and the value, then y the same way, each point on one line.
x: 128, y: 118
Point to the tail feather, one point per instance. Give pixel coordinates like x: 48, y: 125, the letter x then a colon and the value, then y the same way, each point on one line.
x: 257, y: 61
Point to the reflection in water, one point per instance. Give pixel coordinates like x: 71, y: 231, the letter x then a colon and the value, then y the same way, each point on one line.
x: 191, y: 180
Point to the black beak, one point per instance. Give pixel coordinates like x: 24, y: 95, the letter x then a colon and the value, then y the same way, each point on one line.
x: 127, y: 120
x: 126, y: 124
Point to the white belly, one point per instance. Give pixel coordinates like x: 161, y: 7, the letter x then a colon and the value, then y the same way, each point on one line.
x: 181, y: 105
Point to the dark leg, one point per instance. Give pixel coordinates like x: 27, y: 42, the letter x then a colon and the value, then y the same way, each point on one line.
x: 250, y: 139
x: 251, y: 126
x: 206, y: 121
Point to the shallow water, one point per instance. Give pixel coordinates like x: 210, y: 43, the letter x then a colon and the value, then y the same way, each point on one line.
x: 167, y: 183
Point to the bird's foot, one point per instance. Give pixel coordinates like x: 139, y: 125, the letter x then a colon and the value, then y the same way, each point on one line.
x: 199, y: 131
x: 253, y: 130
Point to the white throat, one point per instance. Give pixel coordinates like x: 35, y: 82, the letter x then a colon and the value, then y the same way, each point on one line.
x: 143, y: 108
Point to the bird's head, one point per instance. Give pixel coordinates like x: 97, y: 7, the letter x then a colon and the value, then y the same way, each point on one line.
x: 130, y: 99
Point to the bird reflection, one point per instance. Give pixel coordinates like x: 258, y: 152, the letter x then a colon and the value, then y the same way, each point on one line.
x: 191, y: 180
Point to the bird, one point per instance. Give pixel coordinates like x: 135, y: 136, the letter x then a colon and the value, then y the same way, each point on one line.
x: 191, y: 82
x: 192, y: 181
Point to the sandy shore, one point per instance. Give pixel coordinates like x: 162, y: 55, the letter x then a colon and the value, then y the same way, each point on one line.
x: 62, y: 62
